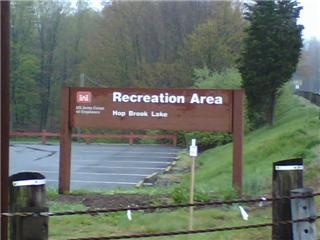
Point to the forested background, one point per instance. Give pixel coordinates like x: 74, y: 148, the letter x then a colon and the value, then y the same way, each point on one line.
x: 127, y: 44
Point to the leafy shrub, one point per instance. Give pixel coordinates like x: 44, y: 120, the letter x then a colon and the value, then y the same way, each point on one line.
x: 181, y: 194
x: 207, y: 140
x: 227, y: 79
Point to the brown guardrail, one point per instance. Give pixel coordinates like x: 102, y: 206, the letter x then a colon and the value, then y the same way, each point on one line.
x: 44, y: 135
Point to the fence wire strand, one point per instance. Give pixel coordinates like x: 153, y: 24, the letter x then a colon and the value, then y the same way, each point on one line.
x: 155, y: 207
x: 208, y: 230
x: 311, y: 219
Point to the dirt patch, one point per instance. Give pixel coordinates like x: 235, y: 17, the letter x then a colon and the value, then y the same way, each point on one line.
x: 176, y: 173
x: 107, y: 201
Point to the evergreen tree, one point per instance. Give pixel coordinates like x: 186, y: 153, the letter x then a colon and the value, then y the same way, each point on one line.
x: 270, y: 55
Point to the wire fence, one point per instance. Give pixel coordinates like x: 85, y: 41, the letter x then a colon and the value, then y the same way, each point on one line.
x: 155, y: 207
x: 208, y: 230
x: 311, y: 219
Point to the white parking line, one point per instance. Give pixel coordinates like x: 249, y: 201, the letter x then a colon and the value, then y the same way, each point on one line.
x: 133, y: 165
x: 103, y: 174
x: 127, y: 152
x: 106, y: 161
x: 100, y: 182
x: 128, y: 156
x: 150, y: 168
x: 90, y: 173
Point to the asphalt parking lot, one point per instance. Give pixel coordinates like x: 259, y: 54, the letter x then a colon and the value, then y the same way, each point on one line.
x: 96, y: 166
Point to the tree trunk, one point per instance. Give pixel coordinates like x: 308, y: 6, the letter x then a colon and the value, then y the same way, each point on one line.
x: 271, y: 109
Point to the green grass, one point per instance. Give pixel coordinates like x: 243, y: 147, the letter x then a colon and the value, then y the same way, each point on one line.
x: 102, y: 225
x: 295, y: 134
x: 161, y: 221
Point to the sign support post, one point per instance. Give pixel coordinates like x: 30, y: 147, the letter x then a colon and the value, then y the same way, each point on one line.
x: 65, y: 143
x: 237, y: 131
x: 193, y: 155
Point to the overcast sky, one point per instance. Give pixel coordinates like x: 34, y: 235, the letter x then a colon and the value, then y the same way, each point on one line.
x: 310, y: 18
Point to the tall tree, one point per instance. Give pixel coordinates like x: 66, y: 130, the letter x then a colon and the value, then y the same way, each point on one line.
x: 76, y: 24
x: 216, y: 43
x: 48, y: 46
x: 49, y: 15
x: 270, y: 55
x: 25, y: 68
x: 135, y: 39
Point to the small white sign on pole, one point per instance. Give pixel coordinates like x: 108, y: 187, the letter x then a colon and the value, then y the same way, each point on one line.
x: 193, y: 149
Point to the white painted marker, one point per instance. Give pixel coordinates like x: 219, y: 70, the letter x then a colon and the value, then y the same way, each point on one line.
x: 244, y: 214
x: 262, y: 202
x: 129, y: 215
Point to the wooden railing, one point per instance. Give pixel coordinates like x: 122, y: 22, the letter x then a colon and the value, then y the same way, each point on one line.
x: 44, y: 135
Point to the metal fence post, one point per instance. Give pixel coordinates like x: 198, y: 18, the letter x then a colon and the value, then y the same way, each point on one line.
x: 287, y: 175
x: 28, y: 194
x: 303, y: 208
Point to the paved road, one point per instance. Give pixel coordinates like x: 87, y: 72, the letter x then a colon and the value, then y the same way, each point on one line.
x: 104, y: 166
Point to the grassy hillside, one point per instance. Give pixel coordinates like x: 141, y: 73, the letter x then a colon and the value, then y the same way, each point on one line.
x: 295, y: 134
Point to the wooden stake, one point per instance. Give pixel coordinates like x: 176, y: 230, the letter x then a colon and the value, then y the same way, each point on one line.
x: 191, y: 201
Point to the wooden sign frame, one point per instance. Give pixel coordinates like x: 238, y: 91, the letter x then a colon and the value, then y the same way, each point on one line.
x: 141, y: 108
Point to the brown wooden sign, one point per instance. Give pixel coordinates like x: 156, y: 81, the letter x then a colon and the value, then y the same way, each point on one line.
x: 169, y: 109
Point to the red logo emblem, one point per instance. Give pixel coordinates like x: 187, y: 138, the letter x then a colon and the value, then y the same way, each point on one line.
x: 84, y: 97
